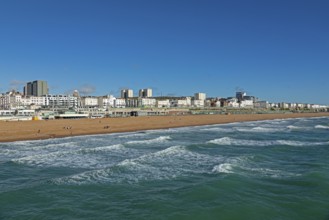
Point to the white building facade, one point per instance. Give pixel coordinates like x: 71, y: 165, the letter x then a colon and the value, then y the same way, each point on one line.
x: 89, y: 101
x: 146, y: 102
x: 181, y: 103
x: 120, y: 103
x: 67, y: 101
x: 145, y: 93
x: 199, y: 103
x: 200, y: 96
x: 163, y: 103
x: 127, y: 93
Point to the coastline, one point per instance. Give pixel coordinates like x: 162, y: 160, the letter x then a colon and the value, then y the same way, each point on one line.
x: 46, y: 129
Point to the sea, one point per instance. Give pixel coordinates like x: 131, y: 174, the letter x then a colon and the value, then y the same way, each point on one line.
x: 274, y: 169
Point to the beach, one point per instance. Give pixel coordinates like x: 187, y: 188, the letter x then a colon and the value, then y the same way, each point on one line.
x: 45, y: 129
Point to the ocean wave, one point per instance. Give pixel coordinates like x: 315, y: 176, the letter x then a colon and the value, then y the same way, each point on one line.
x: 260, y: 129
x: 130, y: 135
x: 41, y: 159
x: 272, y: 173
x: 292, y: 127
x: 169, y: 163
x: 321, y: 127
x: 160, y: 139
x: 103, y: 148
x: 77, y: 158
x: 223, y: 168
x: 242, y: 142
x: 218, y: 129
x: 246, y: 166
x: 8, y: 152
x: 53, y: 145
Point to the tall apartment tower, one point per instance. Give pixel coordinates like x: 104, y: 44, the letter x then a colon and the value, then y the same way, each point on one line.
x: 36, y: 88
x: 127, y: 93
x: 145, y: 93
x: 200, y: 96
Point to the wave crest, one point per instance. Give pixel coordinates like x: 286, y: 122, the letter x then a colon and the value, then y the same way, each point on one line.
x: 160, y: 139
x: 321, y: 127
x: 240, y: 142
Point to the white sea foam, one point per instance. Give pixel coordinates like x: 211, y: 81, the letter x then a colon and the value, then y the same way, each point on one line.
x: 160, y: 139
x: 40, y: 159
x: 103, y: 148
x: 218, y: 129
x: 77, y: 158
x: 223, y: 168
x: 245, y: 165
x: 168, y: 163
x: 241, y: 142
x: 260, y: 129
x: 65, y: 145
x: 130, y: 135
x: 321, y: 127
x: 292, y: 127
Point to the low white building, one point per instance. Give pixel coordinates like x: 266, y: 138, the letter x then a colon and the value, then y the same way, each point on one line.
x: 106, y: 101
x: 146, y: 102
x: 292, y: 105
x: 274, y: 105
x: 163, y: 103
x: 25, y: 112
x: 7, y: 112
x: 283, y: 105
x: 300, y: 105
x: 60, y: 101
x: 198, y: 103
x: 233, y: 103
x: 89, y: 101
x: 218, y: 104
x: 120, y: 103
x: 181, y: 103
x: 313, y: 106
x: 11, y: 100
x: 247, y: 104
x: 261, y: 104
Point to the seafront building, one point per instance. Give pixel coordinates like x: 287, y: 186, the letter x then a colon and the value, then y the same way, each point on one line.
x: 127, y: 93
x: 15, y: 104
x: 200, y: 96
x: 36, y: 88
x: 58, y: 101
x: 145, y: 93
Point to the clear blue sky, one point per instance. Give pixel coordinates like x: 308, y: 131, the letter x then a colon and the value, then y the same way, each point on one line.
x: 277, y: 50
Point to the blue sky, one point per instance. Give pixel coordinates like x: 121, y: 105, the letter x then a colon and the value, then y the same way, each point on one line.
x: 277, y: 50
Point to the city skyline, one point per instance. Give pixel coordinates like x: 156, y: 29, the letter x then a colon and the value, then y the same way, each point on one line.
x: 275, y: 50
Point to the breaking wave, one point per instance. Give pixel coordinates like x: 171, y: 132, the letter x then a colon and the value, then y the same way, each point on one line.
x: 241, y: 142
x: 103, y: 149
x: 170, y: 163
x: 223, y: 168
x: 95, y: 157
x: 218, y: 129
x: 260, y: 129
x: 292, y: 127
x: 246, y: 166
x: 160, y: 139
x: 321, y: 127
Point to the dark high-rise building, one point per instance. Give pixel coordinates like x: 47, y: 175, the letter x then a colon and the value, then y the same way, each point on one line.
x: 36, y: 88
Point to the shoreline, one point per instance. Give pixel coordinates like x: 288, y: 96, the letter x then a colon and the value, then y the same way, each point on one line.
x: 47, y: 129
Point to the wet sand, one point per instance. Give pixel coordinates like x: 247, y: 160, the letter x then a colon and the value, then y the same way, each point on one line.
x: 44, y: 129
